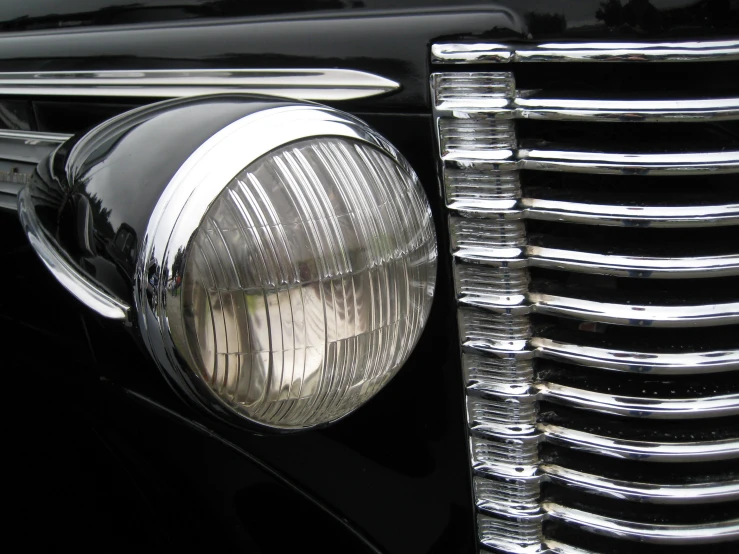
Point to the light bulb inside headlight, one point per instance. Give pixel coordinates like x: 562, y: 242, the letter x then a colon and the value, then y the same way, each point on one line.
x: 308, y: 282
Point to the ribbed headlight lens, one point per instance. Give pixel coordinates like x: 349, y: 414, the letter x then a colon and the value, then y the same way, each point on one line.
x: 307, y: 283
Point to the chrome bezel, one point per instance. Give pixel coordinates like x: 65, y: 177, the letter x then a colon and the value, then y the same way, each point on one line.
x: 185, y: 201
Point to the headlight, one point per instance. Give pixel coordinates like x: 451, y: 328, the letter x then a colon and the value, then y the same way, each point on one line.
x: 306, y: 283
x: 287, y: 267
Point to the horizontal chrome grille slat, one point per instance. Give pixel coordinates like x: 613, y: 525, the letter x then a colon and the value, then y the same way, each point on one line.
x: 634, y: 314
x: 651, y: 493
x: 632, y: 52
x: 703, y: 533
x: 627, y: 163
x: 640, y: 407
x: 603, y: 264
x: 707, y: 315
x: 600, y: 214
x: 727, y: 449
x: 684, y: 363
x: 714, y: 109
x: 639, y: 216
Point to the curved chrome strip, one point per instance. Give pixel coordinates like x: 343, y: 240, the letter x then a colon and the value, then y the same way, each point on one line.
x: 638, y: 315
x: 651, y: 493
x: 695, y: 51
x: 715, y: 109
x: 727, y: 449
x: 62, y: 269
x: 638, y: 164
x: 686, y: 363
x: 654, y: 533
x: 307, y: 84
x: 651, y: 408
x: 630, y: 216
x: 633, y: 266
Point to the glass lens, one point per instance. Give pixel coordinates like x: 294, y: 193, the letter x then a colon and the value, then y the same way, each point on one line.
x: 308, y: 282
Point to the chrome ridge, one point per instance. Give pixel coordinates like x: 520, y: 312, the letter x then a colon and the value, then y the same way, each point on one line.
x: 63, y: 269
x: 506, y: 353
x: 641, y: 407
x: 603, y: 264
x: 695, y: 51
x: 653, y: 533
x: 307, y: 84
x: 652, y: 493
x: 727, y: 449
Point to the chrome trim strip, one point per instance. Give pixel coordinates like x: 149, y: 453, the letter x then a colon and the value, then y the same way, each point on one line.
x: 630, y: 216
x: 641, y: 407
x: 633, y: 266
x: 695, y: 51
x: 653, y: 533
x: 684, y: 363
x: 651, y: 493
x: 600, y: 214
x: 695, y: 163
x: 63, y: 269
x: 713, y: 109
x: 307, y: 84
x: 634, y: 314
x: 603, y: 264
x: 727, y: 449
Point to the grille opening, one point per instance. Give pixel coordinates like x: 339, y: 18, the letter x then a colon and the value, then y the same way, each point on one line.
x: 622, y: 290
x: 637, y: 385
x: 639, y: 429
x: 642, y: 138
x: 647, y: 242
x: 573, y: 536
x: 651, y: 80
x: 637, y: 511
x: 631, y: 190
x: 636, y: 339
x: 67, y: 115
x: 640, y: 472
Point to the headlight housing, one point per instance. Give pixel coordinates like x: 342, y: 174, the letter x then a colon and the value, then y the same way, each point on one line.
x: 285, y: 266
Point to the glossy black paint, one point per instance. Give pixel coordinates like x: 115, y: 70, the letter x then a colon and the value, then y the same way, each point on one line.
x: 108, y: 181
x: 393, y: 44
x: 543, y: 18
x: 392, y: 477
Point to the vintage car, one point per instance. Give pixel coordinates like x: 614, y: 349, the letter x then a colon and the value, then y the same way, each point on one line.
x: 431, y: 276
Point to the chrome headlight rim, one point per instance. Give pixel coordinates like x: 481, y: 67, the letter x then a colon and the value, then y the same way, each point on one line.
x: 184, y: 202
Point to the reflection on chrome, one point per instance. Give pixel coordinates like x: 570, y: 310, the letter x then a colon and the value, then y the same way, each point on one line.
x: 695, y: 51
x: 505, y: 268
x: 703, y: 533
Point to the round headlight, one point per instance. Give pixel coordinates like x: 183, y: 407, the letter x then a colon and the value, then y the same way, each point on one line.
x: 289, y: 267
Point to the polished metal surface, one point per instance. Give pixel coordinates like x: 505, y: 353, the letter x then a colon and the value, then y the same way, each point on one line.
x: 180, y: 209
x: 704, y: 533
x: 633, y: 52
x: 307, y: 84
x: 529, y: 266
x: 645, y: 451
x: 640, y: 406
x: 697, y: 267
x: 692, y: 163
x: 63, y: 269
x: 650, y: 493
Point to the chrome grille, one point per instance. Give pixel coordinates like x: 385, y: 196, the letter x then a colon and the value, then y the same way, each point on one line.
x: 598, y: 300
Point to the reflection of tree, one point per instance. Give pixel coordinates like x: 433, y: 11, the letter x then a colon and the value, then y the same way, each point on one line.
x: 640, y: 14
x: 100, y: 217
x: 546, y: 23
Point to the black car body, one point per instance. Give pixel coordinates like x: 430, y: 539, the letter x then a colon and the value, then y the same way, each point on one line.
x: 111, y: 455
